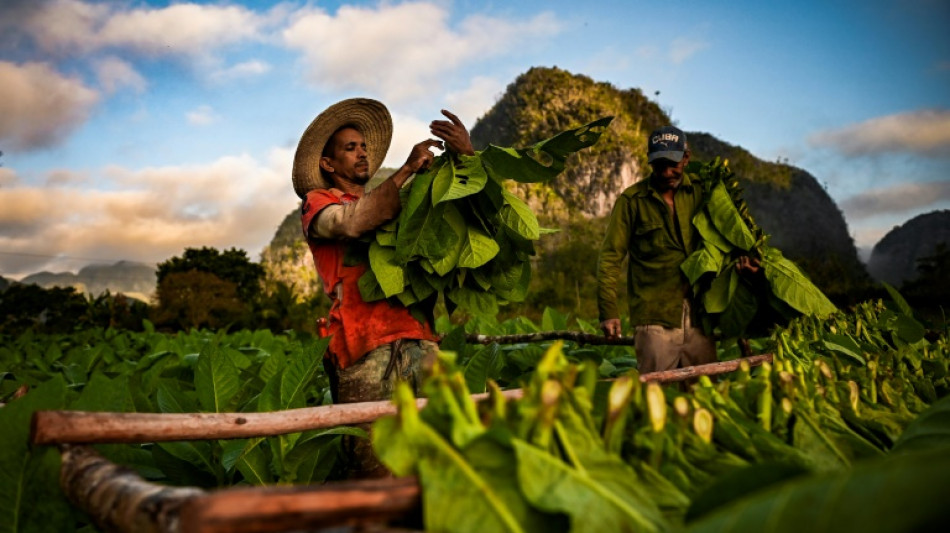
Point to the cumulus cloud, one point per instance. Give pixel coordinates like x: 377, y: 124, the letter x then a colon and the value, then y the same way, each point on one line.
x: 150, y: 214
x: 115, y: 74
x: 201, y: 116
x: 403, y: 50
x: 247, y: 69
x: 896, y: 199
x: 75, y: 27
x: 39, y: 106
x: 472, y: 102
x: 8, y: 177
x: 679, y: 50
x: 683, y: 48
x: 923, y: 133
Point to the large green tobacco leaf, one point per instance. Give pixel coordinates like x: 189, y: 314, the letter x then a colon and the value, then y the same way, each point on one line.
x: 30, y: 499
x: 217, y: 379
x: 791, y: 286
x: 478, y: 369
x: 454, y: 182
x: 601, y: 496
x: 389, y: 274
x: 455, y: 220
x: 419, y: 191
x: 519, y: 217
x: 706, y: 259
x: 476, y: 301
x: 298, y: 375
x: 893, y: 494
x: 709, y: 233
x: 546, y: 159
x: 424, y: 234
x: 931, y: 429
x: 453, y: 491
x: 740, y: 312
x: 477, y: 249
x: 725, y: 217
x: 720, y: 292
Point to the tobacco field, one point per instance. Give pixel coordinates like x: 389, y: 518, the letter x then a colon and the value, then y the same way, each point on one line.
x: 854, y: 407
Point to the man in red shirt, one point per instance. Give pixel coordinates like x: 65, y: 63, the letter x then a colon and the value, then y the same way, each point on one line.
x: 372, y: 343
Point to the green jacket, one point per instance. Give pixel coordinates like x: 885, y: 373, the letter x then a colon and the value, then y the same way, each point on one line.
x: 642, y: 226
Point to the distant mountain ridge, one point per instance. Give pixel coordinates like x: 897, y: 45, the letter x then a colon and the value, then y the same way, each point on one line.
x: 130, y: 278
x: 787, y: 202
x: 894, y: 258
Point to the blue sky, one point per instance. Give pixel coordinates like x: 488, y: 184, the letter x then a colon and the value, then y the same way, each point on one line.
x: 131, y: 130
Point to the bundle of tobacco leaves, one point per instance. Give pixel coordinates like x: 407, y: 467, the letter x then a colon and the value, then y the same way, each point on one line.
x: 460, y: 233
x: 731, y: 300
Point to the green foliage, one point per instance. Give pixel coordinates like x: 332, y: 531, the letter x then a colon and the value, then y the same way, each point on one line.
x: 114, y: 370
x: 757, y: 446
x: 231, y: 265
x: 460, y: 234
x: 61, y: 310
x: 196, y: 299
x: 731, y: 301
x: 905, y: 493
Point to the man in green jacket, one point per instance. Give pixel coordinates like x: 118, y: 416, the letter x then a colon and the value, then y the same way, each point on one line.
x: 651, y: 223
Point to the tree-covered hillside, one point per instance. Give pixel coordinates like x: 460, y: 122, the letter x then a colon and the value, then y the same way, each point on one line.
x: 787, y: 202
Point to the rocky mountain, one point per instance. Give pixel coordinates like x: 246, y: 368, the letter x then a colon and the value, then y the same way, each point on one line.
x: 786, y: 201
x: 894, y: 257
x: 796, y: 211
x: 132, y: 279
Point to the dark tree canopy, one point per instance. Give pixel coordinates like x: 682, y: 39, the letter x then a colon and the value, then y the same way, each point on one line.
x: 230, y: 265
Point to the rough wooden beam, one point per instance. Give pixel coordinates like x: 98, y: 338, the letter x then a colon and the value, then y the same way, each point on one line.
x: 711, y: 369
x: 576, y: 336
x: 307, y: 508
x: 116, y: 498
x: 83, y: 427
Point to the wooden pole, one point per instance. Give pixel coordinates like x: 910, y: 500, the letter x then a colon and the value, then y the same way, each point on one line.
x: 83, y: 427
x: 116, y: 498
x: 576, y: 336
x: 307, y: 508
x: 711, y: 369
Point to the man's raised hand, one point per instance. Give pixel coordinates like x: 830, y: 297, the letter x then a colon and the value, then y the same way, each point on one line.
x: 421, y: 155
x: 454, y: 133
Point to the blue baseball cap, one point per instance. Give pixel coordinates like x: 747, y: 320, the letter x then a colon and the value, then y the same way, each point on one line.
x: 668, y: 142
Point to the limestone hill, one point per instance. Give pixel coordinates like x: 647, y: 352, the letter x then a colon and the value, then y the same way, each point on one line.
x: 894, y: 258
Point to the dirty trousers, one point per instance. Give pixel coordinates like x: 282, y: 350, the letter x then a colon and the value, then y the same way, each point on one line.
x: 664, y: 348
x: 373, y: 378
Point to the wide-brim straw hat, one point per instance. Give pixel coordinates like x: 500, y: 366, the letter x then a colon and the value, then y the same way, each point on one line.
x: 368, y: 116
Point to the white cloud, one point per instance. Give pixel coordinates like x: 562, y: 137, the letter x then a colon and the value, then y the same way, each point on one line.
x: 115, y: 74
x: 247, y: 69
x: 683, y: 48
x: 8, y: 177
x: 472, y: 102
x: 896, y: 199
x: 407, y: 132
x: 76, y: 27
x: 39, y: 106
x: 924, y: 132
x: 149, y: 214
x: 404, y: 50
x: 201, y: 116
x: 680, y: 49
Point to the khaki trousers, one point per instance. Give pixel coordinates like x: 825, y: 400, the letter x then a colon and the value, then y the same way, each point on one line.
x: 373, y: 378
x: 663, y: 348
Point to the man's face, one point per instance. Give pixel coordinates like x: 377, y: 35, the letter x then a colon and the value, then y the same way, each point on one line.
x: 348, y: 158
x: 668, y: 174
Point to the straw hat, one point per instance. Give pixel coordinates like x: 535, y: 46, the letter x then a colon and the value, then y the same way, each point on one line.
x: 370, y: 117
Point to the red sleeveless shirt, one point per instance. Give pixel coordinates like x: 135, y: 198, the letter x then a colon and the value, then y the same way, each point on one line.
x: 356, y: 327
